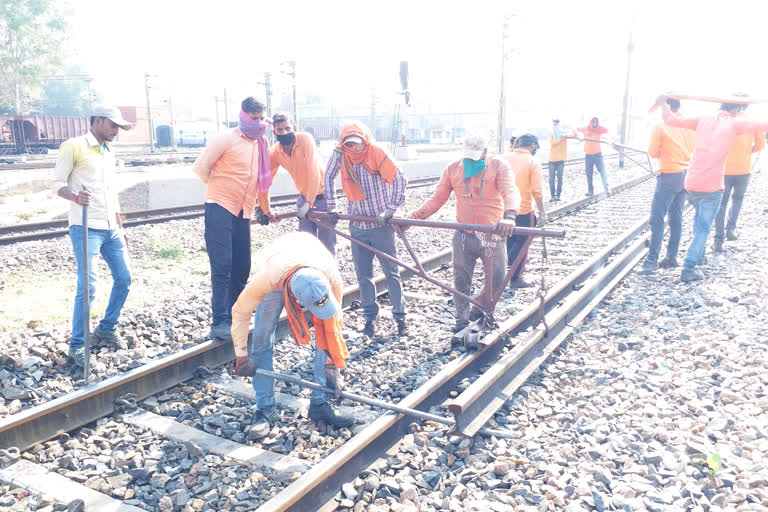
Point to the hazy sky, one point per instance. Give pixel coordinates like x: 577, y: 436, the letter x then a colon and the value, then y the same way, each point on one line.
x: 569, y: 57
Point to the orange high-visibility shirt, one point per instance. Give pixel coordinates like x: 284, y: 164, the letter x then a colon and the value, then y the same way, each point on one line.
x: 558, y: 149
x: 527, y: 178
x: 672, y: 146
x: 229, y: 165
x: 303, y: 165
x: 481, y: 199
x: 592, y: 148
x: 273, y: 266
x: 740, y: 158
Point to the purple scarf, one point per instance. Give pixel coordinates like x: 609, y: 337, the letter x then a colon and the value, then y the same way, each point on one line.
x: 255, y: 130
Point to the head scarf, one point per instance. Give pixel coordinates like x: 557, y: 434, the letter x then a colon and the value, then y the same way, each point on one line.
x: 255, y: 130
x: 374, y: 159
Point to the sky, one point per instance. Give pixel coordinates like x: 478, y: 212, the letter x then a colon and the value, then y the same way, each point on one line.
x: 564, y: 58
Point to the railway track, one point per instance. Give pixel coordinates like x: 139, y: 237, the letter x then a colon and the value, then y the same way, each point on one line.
x: 57, y: 228
x: 602, y: 245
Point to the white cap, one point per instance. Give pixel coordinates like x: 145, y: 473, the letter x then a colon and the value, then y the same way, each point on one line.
x: 474, y: 145
x: 113, y: 114
x: 353, y: 138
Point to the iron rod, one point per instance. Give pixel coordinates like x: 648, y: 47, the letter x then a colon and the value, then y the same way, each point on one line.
x: 86, y: 289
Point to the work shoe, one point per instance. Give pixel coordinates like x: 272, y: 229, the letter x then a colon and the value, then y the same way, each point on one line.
x: 77, y: 353
x: 649, y: 267
x: 369, y: 330
x: 263, y: 421
x: 519, y: 283
x: 669, y: 262
x: 731, y: 235
x: 691, y: 274
x: 104, y: 338
x: 718, y: 247
x: 402, y: 329
x: 221, y: 331
x: 589, y: 194
x: 461, y: 325
x: 324, y: 413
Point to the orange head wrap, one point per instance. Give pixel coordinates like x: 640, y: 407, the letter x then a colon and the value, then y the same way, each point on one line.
x: 373, y: 158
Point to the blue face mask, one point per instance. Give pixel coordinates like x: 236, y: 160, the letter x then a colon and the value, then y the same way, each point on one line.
x: 473, y: 167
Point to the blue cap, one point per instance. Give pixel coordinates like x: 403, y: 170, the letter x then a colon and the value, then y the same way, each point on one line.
x: 313, y: 291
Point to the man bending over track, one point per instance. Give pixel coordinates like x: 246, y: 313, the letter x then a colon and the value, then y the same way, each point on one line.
x: 85, y: 175
x: 295, y: 271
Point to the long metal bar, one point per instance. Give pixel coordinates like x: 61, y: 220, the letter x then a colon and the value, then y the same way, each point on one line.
x: 86, y: 289
x: 373, y: 402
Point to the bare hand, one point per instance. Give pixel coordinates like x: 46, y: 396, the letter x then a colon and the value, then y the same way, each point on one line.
x: 83, y: 198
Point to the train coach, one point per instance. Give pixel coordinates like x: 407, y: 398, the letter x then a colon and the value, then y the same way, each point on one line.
x: 38, y: 134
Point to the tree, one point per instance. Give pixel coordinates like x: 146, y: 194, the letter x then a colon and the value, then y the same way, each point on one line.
x: 31, y: 41
x: 67, y: 97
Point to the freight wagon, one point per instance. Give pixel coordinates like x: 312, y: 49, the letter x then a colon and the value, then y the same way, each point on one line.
x: 38, y: 134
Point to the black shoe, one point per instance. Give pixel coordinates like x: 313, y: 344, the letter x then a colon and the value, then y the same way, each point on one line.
x: 689, y: 275
x: 649, y: 267
x: 460, y: 326
x: 519, y: 283
x: 718, y: 247
x: 263, y: 421
x: 325, y: 413
x: 369, y: 330
x: 102, y: 338
x: 77, y: 354
x: 221, y: 331
x: 669, y: 262
x: 402, y: 329
x: 731, y: 235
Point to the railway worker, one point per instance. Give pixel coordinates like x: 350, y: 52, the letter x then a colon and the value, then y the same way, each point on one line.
x: 485, y: 194
x: 594, y: 154
x: 295, y: 271
x: 704, y: 182
x: 737, y: 171
x: 374, y: 187
x: 296, y: 152
x: 528, y: 180
x: 558, y: 154
x: 235, y: 166
x: 85, y: 175
x: 673, y: 148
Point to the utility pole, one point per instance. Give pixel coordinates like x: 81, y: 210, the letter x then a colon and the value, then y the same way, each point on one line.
x: 502, y: 96
x: 292, y: 74
x: 268, y: 92
x: 226, y: 111
x: 625, y: 115
x: 218, y: 124
x: 149, y: 115
x: 372, y: 119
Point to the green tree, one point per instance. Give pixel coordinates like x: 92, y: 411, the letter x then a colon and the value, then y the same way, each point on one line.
x: 31, y: 41
x: 66, y: 97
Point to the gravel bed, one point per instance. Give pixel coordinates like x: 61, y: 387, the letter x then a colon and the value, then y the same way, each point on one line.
x: 658, y: 402
x: 175, y: 310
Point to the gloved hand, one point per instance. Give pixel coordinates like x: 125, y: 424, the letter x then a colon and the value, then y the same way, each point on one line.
x: 383, y: 218
x: 303, y: 211
x: 333, y: 217
x: 244, y: 366
x: 334, y: 378
x: 543, y: 219
x: 505, y: 227
x: 261, y: 217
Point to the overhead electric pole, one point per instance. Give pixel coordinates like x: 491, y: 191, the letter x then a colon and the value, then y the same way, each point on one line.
x: 149, y: 115
x: 226, y: 111
x: 268, y: 92
x: 218, y: 124
x: 502, y: 96
x: 625, y: 115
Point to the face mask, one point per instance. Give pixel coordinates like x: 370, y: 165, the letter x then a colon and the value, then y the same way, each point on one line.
x: 251, y: 128
x: 535, y: 149
x: 473, y: 167
x: 286, y: 139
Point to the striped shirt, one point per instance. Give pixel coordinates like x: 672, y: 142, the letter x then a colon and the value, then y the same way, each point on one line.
x: 379, y: 195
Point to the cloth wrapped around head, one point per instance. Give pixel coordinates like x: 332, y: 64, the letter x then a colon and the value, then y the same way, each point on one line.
x: 374, y: 159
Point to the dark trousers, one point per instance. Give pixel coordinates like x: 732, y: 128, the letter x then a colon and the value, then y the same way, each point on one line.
x: 668, y: 199
x: 735, y: 188
x: 556, y: 171
x: 228, y: 241
x: 591, y: 162
x: 327, y: 236
x: 515, y: 244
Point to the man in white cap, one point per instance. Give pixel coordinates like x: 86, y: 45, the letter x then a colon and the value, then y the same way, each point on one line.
x: 295, y: 272
x: 485, y: 194
x: 85, y: 175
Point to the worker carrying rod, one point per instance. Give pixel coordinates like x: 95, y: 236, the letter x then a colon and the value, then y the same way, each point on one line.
x: 295, y: 272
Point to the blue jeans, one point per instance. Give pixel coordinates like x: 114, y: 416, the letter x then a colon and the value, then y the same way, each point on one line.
x: 706, y: 204
x: 111, y: 245
x: 228, y: 241
x: 515, y: 244
x: 592, y: 161
x: 326, y: 236
x: 556, y: 172
x: 668, y: 199
x: 262, y: 344
x: 382, y: 239
x: 737, y: 185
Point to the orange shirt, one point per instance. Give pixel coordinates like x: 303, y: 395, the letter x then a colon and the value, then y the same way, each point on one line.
x: 740, y: 158
x: 527, y: 178
x: 303, y: 165
x: 558, y: 150
x: 273, y: 266
x: 229, y: 165
x: 672, y: 146
x: 592, y: 148
x: 481, y: 199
